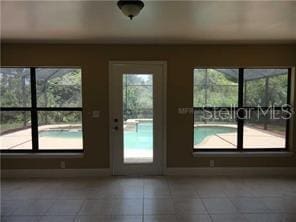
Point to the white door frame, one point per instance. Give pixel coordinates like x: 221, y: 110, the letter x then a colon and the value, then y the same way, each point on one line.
x: 164, y: 101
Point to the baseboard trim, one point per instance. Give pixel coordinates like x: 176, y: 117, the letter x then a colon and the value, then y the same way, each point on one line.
x: 171, y: 171
x: 232, y: 171
x: 54, y: 173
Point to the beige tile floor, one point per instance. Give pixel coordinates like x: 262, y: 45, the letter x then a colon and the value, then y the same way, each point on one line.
x: 150, y: 199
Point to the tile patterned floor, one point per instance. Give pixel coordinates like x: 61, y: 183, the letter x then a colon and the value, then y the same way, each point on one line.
x: 149, y: 199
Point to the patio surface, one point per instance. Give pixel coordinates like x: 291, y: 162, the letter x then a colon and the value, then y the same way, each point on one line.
x: 253, y: 138
x: 22, y: 139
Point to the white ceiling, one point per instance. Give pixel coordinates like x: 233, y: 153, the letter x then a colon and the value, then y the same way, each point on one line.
x: 162, y: 22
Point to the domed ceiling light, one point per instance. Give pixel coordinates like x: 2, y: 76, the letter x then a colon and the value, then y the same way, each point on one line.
x: 130, y: 8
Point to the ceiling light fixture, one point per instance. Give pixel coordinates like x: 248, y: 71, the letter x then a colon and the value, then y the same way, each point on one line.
x: 130, y: 8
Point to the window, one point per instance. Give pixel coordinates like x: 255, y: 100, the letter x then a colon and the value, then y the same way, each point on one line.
x: 138, y: 118
x: 41, y: 109
x: 241, y: 109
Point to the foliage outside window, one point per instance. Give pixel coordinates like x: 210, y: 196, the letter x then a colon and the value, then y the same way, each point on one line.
x: 137, y: 96
x: 137, y: 101
x: 41, y: 109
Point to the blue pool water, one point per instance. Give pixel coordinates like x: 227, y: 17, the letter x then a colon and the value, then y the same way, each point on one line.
x: 201, y: 132
x: 142, y: 137
x: 67, y: 134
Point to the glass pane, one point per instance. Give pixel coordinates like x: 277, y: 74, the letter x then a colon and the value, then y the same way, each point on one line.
x: 15, y: 130
x: 140, y: 79
x: 199, y: 96
x: 15, y: 87
x: 222, y: 95
x: 138, y: 118
x: 265, y: 87
x: 214, y: 130
x: 58, y: 87
x: 215, y: 87
x: 265, y: 129
x: 60, y: 130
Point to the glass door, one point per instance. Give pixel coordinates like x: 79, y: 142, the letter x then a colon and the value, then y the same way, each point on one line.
x: 136, y: 118
x: 137, y: 99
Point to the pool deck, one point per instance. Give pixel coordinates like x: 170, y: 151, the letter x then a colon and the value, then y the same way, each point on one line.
x: 22, y: 140
x: 253, y: 138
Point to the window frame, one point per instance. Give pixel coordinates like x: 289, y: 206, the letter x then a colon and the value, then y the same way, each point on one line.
x: 34, y: 109
x: 240, y: 105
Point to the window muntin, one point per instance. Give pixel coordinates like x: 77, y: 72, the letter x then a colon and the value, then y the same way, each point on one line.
x: 264, y: 88
x: 51, y: 120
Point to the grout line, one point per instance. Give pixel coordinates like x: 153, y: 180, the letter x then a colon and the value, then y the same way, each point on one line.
x: 143, y: 198
x: 77, y: 213
x: 55, y: 198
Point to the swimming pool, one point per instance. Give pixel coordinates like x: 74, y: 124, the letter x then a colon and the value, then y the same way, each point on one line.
x: 201, y: 132
x: 66, y: 134
x: 141, y: 137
